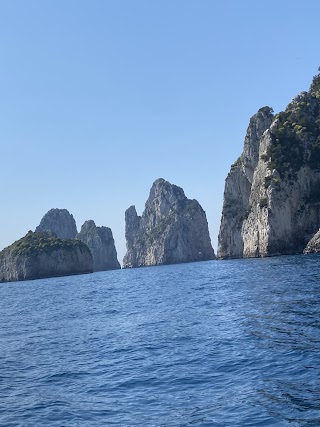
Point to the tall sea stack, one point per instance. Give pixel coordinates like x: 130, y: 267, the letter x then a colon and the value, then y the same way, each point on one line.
x: 172, y: 229
x: 101, y: 244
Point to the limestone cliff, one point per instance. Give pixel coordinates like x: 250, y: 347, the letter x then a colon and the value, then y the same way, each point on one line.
x: 172, y: 229
x: 60, y: 222
x: 313, y: 245
x: 101, y: 244
x: 238, y: 187
x: 273, y: 207
x: 40, y: 255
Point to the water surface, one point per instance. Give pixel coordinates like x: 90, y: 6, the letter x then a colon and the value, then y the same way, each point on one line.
x: 229, y: 343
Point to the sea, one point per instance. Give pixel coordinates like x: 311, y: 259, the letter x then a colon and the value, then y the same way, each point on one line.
x: 217, y: 343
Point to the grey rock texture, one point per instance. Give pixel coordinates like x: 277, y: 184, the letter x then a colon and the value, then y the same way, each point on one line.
x: 172, y: 229
x: 272, y: 206
x: 238, y: 188
x: 313, y: 245
x: 60, y: 222
x: 101, y: 244
x: 40, y: 255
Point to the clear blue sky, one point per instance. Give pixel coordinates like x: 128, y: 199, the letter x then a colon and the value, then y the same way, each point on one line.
x: 98, y: 98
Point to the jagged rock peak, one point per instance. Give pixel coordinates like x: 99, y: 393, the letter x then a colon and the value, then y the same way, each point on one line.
x: 238, y: 187
x: 132, y: 221
x: 170, y: 192
x: 101, y: 244
x: 60, y: 222
x: 259, y: 123
x: 172, y: 229
x: 41, y: 254
x: 88, y: 225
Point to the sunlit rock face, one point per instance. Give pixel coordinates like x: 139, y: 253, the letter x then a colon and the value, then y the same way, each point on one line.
x: 172, y: 229
x: 238, y: 188
x: 60, y: 222
x: 313, y: 246
x: 272, y: 198
x: 101, y: 244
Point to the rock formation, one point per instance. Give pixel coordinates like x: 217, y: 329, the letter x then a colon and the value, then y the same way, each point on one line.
x: 98, y: 239
x: 238, y: 188
x: 272, y: 198
x: 172, y: 229
x: 40, y: 255
x: 101, y: 244
x: 60, y: 222
x: 313, y: 245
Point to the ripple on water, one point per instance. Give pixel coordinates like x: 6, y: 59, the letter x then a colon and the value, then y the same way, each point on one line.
x: 206, y: 344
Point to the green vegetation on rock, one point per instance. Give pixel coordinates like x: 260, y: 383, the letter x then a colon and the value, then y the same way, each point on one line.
x: 266, y: 110
x: 187, y: 206
x: 296, y: 135
x: 155, y: 233
x: 46, y: 242
x: 263, y: 202
x: 235, y: 164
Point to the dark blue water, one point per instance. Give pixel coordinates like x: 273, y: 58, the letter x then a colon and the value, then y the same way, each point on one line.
x: 233, y: 343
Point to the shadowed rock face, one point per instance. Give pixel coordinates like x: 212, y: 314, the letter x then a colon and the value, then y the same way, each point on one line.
x: 40, y: 255
x: 272, y: 198
x: 172, y: 229
x: 101, y: 244
x: 60, y: 222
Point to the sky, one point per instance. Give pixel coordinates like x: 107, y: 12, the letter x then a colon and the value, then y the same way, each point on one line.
x: 99, y: 98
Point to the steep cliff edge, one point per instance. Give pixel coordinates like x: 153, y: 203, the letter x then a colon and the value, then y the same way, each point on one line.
x: 101, y: 244
x: 60, y: 222
x: 275, y: 208
x: 238, y: 187
x: 40, y: 255
x: 172, y: 229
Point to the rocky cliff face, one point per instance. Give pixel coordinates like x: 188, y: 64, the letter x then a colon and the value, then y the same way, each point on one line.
x: 238, y: 187
x: 272, y: 197
x: 313, y: 245
x: 172, y: 229
x: 60, y: 222
x: 40, y: 255
x: 101, y: 244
